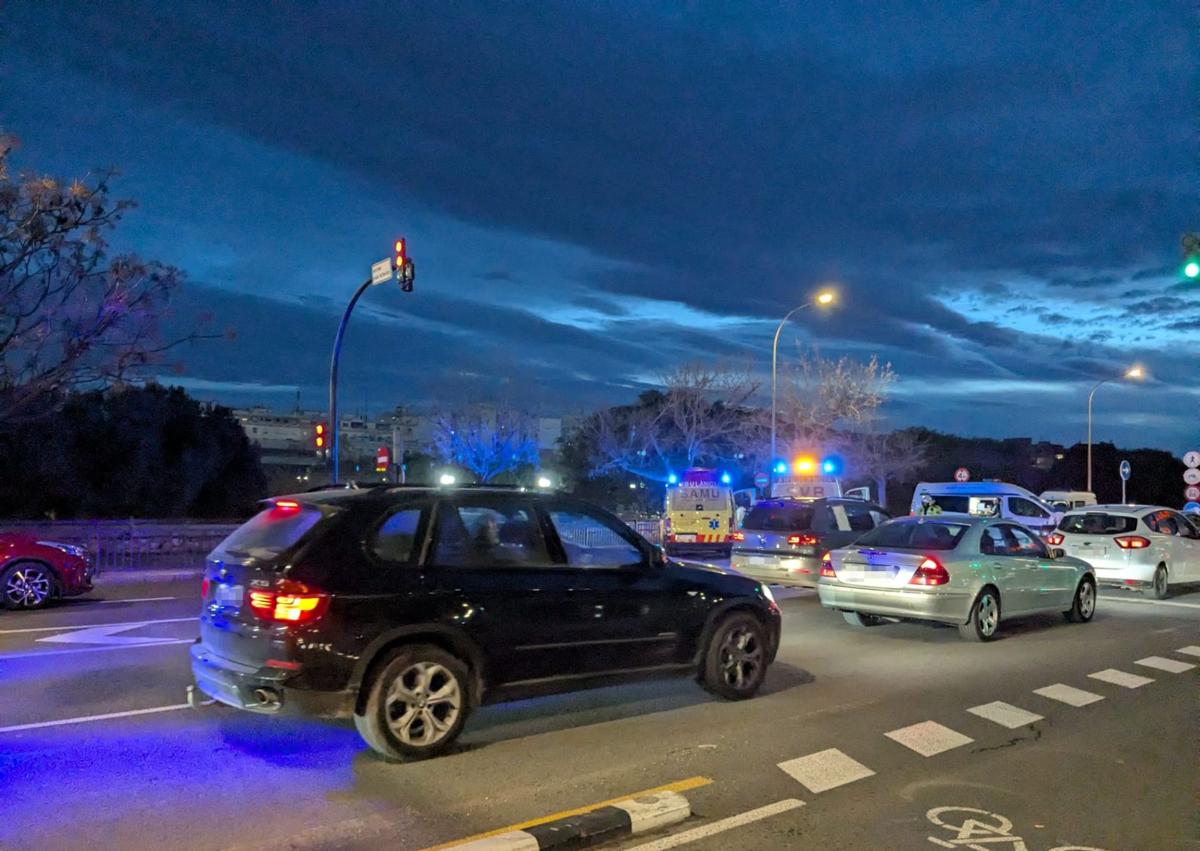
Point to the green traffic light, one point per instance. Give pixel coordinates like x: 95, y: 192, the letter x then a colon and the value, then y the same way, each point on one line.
x: 1192, y: 269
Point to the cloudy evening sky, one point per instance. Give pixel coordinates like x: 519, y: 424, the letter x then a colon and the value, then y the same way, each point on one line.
x: 593, y: 191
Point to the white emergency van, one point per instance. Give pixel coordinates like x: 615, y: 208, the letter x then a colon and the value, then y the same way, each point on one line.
x: 1011, y: 502
x: 1066, y: 500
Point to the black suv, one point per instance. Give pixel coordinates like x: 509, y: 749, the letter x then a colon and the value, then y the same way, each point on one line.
x: 405, y: 608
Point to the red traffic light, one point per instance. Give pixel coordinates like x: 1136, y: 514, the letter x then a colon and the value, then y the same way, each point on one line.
x: 400, y: 253
x: 319, y: 435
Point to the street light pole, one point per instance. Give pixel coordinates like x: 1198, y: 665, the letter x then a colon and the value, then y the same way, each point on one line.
x: 824, y: 298
x: 1135, y: 373
x: 333, y: 376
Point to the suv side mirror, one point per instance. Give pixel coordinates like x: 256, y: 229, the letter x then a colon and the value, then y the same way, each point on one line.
x: 658, y: 556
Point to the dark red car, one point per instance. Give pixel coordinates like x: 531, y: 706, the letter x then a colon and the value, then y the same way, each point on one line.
x: 34, y: 572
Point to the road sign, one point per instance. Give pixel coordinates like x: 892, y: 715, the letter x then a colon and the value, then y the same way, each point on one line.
x: 962, y: 474
x: 761, y: 480
x: 381, y: 272
x: 1125, y: 471
x: 1191, y: 493
x: 1192, y: 476
x: 383, y: 459
x: 1193, y: 507
x: 1192, y: 459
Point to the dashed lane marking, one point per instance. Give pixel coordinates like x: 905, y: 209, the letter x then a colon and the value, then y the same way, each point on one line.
x: 929, y: 738
x: 70, y: 626
x: 1138, y: 601
x: 720, y: 826
x: 37, y: 654
x: 138, y: 600
x: 1171, y: 666
x: 1190, y: 650
x: 1005, y: 714
x: 825, y: 770
x: 1120, y: 678
x: 1068, y: 694
x: 86, y: 718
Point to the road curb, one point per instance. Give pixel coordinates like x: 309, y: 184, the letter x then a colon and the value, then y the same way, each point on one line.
x: 585, y: 830
x: 133, y: 577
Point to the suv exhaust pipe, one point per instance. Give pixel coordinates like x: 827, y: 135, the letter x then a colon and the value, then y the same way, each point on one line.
x: 267, y: 698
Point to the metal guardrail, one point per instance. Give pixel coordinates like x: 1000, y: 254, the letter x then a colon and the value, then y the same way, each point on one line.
x: 131, y: 544
x: 651, y: 530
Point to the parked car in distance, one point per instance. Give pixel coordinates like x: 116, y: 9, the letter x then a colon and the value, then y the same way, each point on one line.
x: 34, y: 572
x: 1133, y: 546
x: 407, y: 607
x: 1001, y: 499
x: 973, y: 572
x: 1067, y: 500
x: 782, y: 539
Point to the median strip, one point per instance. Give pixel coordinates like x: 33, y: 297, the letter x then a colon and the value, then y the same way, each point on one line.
x: 576, y: 828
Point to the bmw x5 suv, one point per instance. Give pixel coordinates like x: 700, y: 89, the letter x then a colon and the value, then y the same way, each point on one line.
x: 406, y: 608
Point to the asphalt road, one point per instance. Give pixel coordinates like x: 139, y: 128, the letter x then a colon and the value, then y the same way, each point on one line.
x: 97, y: 750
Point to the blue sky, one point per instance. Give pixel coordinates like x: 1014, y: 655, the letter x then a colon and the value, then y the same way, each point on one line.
x: 595, y: 191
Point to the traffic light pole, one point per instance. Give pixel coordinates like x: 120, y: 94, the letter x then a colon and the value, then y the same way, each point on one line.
x: 334, y: 422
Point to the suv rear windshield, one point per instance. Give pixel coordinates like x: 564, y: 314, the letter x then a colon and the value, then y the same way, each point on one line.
x: 270, y: 532
x: 907, y: 535
x: 779, y: 518
x: 1097, y: 523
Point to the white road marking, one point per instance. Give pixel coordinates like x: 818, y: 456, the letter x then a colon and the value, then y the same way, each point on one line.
x: 1190, y: 650
x: 1140, y: 601
x: 1171, y: 666
x: 138, y: 600
x: 29, y: 654
x: 825, y: 770
x: 515, y: 840
x: 67, y: 626
x: 929, y: 738
x: 651, y: 812
x: 103, y: 635
x: 1120, y: 678
x: 707, y: 830
x: 1068, y: 694
x: 1005, y: 714
x: 83, y: 719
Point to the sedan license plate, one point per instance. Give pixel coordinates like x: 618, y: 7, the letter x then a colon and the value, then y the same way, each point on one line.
x: 229, y: 596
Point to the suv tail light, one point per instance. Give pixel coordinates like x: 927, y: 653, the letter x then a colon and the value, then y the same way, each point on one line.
x: 1055, y: 539
x: 738, y: 536
x: 1132, y: 542
x: 827, y: 566
x: 805, y: 540
x: 288, y: 602
x: 930, y: 572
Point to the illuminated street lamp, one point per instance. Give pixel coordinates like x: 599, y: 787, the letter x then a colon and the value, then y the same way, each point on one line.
x: 1134, y: 373
x: 825, y: 298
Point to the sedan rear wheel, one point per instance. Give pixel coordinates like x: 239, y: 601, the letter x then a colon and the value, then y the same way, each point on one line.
x: 1161, y: 587
x: 417, y: 704
x: 984, y: 619
x: 26, y: 585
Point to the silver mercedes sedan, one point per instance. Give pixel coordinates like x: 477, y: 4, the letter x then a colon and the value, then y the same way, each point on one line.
x: 969, y: 571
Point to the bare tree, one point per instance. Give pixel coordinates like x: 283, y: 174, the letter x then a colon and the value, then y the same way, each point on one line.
x: 887, y: 456
x: 487, y: 440
x: 821, y: 397
x: 71, y: 317
x: 707, y: 406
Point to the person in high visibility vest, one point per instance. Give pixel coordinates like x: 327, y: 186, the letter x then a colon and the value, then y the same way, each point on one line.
x: 928, y: 506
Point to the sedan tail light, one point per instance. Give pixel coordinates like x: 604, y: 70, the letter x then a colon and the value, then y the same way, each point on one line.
x: 1055, y: 539
x: 805, y: 540
x: 930, y: 572
x: 827, y: 566
x: 738, y: 536
x: 288, y: 602
x: 1132, y: 542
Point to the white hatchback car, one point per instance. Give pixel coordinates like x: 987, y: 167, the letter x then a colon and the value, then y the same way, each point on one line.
x: 1135, y: 546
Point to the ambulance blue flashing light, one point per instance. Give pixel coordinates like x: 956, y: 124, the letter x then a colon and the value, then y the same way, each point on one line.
x: 726, y: 478
x: 672, y: 479
x: 780, y: 468
x: 832, y: 465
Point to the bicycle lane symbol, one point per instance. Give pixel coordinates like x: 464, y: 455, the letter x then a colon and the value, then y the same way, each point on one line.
x: 981, y: 830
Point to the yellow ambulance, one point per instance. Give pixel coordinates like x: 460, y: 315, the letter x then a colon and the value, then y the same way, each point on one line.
x: 701, y: 512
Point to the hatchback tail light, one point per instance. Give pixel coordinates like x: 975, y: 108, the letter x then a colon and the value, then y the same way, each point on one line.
x: 1055, y: 539
x: 827, y: 566
x: 288, y: 602
x: 1132, y: 542
x: 930, y: 572
x: 805, y: 540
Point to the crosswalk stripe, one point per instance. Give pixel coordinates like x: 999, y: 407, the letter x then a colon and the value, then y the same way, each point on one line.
x: 1120, y: 678
x: 825, y: 770
x: 929, y: 738
x: 1068, y: 694
x: 1171, y: 666
x: 1005, y: 714
x: 1190, y: 650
